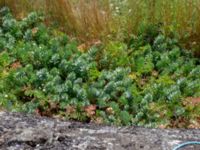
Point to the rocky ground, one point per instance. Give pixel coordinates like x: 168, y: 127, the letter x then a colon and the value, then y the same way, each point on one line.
x: 28, y: 132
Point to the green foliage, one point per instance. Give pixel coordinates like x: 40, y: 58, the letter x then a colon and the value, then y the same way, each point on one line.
x: 45, y: 73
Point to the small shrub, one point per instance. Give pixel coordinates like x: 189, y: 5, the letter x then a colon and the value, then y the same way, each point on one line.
x: 123, y: 84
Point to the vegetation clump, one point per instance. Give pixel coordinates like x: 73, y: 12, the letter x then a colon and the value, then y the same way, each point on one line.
x: 149, y: 81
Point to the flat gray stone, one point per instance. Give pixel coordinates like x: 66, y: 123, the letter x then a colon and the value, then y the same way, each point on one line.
x: 28, y: 132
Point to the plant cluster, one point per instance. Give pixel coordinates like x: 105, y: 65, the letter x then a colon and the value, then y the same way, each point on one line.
x: 145, y: 82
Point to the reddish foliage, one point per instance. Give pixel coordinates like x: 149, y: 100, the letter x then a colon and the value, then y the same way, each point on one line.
x: 192, y: 101
x: 90, y: 110
x: 16, y: 65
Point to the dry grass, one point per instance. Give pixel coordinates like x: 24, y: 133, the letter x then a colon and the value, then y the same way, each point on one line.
x: 86, y: 20
x: 95, y: 19
x: 181, y: 16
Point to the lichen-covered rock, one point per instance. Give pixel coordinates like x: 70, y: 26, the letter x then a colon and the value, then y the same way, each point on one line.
x: 28, y: 132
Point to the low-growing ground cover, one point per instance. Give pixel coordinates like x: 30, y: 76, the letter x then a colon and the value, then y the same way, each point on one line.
x: 149, y: 80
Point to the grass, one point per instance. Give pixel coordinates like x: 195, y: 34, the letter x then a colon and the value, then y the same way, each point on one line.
x: 91, y: 20
x: 86, y: 20
x: 175, y: 15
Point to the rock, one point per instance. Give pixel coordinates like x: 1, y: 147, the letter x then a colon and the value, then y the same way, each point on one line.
x: 27, y: 132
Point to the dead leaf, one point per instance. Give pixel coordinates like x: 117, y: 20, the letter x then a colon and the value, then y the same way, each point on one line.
x: 70, y: 109
x: 143, y: 81
x: 192, y: 101
x: 85, y: 46
x: 38, y: 112
x: 98, y: 120
x: 194, y: 124
x: 154, y: 73
x: 16, y: 65
x: 96, y: 42
x: 162, y: 126
x: 110, y: 110
x: 90, y: 110
x: 34, y: 30
x: 82, y: 47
